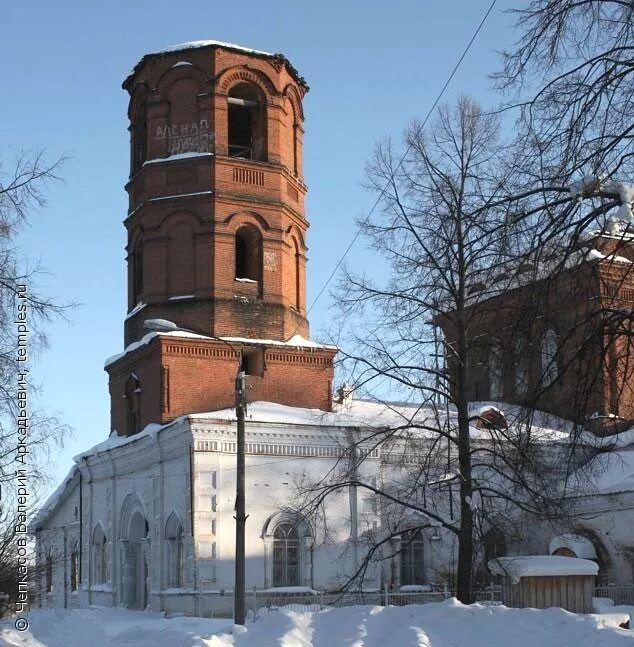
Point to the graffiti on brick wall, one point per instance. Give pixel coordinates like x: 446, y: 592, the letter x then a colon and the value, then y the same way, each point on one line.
x: 270, y: 261
x: 190, y: 137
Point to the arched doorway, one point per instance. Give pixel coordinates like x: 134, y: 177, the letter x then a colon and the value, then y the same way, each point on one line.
x: 134, y: 558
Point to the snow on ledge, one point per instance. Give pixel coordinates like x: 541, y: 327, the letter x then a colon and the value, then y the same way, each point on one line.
x: 296, y: 341
x: 541, y: 565
x: 176, y: 157
x: 147, y: 339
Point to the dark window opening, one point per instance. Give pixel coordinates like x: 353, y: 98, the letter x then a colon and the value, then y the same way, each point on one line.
x: 248, y: 254
x: 494, y: 546
x: 252, y: 361
x: 137, y: 274
x: 49, y: 573
x: 298, y: 300
x: 286, y: 556
x: 74, y: 569
x: 132, y: 397
x: 412, y: 565
x: 247, y: 132
x: 138, y: 136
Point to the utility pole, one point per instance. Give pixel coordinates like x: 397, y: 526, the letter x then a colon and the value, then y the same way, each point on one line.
x: 239, y: 610
x: 239, y: 589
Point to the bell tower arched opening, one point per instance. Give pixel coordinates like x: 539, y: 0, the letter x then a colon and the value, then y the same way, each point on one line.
x: 246, y: 123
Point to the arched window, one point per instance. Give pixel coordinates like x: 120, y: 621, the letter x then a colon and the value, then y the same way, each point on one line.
x: 297, y: 274
x: 550, y: 366
x: 48, y: 573
x: 249, y: 254
x: 496, y: 374
x: 99, y: 555
x: 137, y: 273
x: 412, y: 557
x: 74, y: 568
x: 138, y: 134
x: 286, y: 556
x: 247, y: 123
x: 174, y: 540
x: 494, y: 544
x: 521, y: 368
x: 132, y: 396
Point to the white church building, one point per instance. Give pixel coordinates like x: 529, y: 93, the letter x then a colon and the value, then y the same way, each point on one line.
x: 216, y: 244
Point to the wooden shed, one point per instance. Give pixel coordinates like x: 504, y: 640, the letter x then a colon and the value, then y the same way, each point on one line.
x: 546, y: 581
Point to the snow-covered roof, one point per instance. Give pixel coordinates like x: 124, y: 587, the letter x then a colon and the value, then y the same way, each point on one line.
x: 199, y: 44
x: 580, y: 546
x: 297, y: 341
x: 541, y: 565
x: 374, y: 414
x: 608, y: 473
x: 55, y: 498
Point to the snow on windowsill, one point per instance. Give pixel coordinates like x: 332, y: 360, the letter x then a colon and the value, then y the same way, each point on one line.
x: 243, y: 280
x: 289, y: 589
x: 137, y: 308
x: 179, y: 195
x: 103, y: 588
x: 181, y: 297
x: 177, y: 156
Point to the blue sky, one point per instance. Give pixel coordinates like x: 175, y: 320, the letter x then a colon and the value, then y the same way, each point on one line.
x: 371, y: 66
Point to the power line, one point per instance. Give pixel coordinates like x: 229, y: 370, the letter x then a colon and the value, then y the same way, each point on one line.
x: 402, y: 159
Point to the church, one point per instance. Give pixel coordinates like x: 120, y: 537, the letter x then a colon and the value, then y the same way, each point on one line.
x: 217, y: 261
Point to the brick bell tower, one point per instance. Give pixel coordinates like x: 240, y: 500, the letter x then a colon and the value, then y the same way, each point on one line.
x: 216, y: 238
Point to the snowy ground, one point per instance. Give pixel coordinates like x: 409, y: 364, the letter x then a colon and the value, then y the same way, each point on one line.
x: 443, y: 624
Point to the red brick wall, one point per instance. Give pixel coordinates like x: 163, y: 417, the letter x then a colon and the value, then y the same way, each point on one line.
x: 188, y: 241
x: 597, y: 369
x: 178, y: 376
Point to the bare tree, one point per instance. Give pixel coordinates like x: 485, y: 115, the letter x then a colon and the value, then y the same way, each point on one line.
x: 22, y: 185
x: 450, y: 235
x: 574, y: 62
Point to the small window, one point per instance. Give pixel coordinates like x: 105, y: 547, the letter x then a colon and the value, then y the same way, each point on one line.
x: 174, y: 539
x: 521, y: 368
x: 550, y: 367
x: 49, y: 573
x: 252, y: 361
x: 137, y: 273
x: 246, y: 123
x: 496, y: 374
x: 248, y: 254
x: 132, y: 398
x: 100, y: 556
x: 74, y: 568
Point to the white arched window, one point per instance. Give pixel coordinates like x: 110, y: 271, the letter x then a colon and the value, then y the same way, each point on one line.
x: 521, y: 368
x: 412, y: 557
x: 286, y: 556
x: 496, y: 374
x: 74, y: 567
x: 99, y: 555
x: 174, y: 541
x: 549, y: 364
